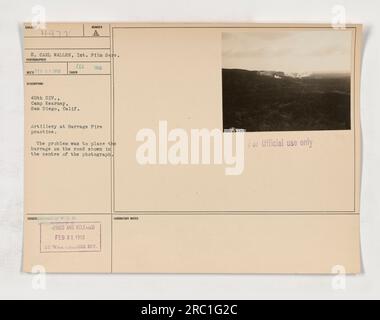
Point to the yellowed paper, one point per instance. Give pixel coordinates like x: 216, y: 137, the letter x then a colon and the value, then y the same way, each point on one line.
x: 192, y: 148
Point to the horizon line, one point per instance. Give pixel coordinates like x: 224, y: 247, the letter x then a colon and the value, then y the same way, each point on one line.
x: 285, y: 72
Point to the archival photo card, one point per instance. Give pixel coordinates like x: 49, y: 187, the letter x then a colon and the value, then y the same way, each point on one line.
x: 129, y: 168
x: 287, y: 80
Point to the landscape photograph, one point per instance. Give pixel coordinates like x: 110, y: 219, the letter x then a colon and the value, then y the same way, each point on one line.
x: 280, y: 80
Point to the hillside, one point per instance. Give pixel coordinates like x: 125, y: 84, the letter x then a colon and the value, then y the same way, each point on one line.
x: 272, y: 101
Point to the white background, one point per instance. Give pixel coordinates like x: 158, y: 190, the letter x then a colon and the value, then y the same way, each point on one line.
x: 14, y: 284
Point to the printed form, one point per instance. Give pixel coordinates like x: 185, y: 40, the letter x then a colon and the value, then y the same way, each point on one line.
x: 192, y: 148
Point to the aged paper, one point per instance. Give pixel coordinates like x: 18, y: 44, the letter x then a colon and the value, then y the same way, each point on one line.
x: 192, y: 148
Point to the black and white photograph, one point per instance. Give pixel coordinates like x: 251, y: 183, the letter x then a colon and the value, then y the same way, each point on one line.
x: 287, y: 80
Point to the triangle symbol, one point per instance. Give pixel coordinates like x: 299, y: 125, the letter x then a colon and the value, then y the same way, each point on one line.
x: 96, y: 34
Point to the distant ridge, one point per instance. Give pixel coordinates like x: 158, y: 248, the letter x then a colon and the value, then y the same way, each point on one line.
x: 295, y: 75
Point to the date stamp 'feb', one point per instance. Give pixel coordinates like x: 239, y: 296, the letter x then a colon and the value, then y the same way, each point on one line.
x: 60, y: 237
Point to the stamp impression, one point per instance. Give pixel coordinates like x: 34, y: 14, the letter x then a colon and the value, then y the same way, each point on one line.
x: 61, y: 237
